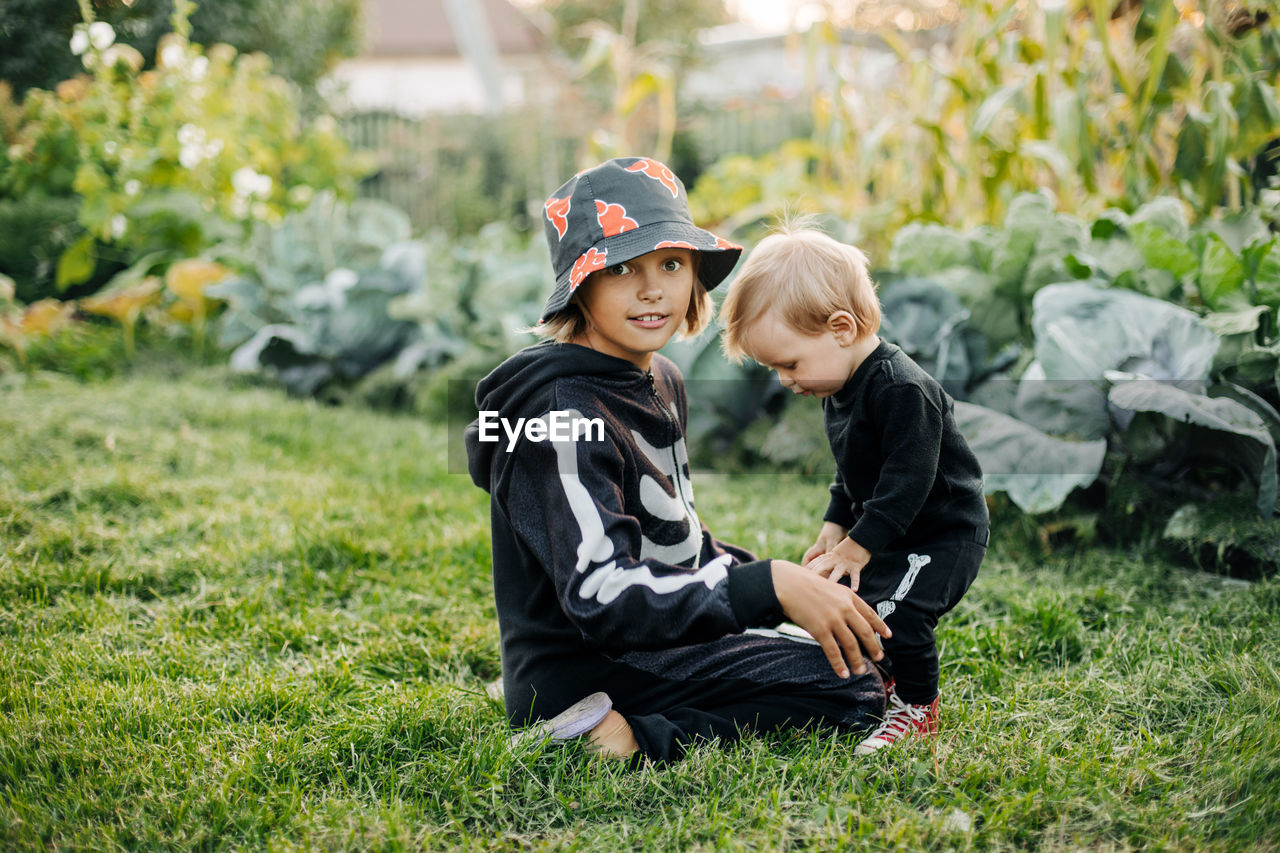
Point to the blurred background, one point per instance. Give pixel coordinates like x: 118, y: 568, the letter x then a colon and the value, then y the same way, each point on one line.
x: 1071, y: 207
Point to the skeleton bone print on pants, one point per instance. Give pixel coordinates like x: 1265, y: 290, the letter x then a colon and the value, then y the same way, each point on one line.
x: 915, y: 562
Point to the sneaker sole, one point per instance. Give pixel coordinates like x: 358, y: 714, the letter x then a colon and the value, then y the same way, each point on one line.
x: 574, y: 721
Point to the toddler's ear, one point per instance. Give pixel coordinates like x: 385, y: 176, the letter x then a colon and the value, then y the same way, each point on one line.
x: 844, y: 326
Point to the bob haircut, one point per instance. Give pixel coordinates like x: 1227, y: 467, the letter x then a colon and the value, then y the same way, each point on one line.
x: 570, y: 322
x: 805, y: 276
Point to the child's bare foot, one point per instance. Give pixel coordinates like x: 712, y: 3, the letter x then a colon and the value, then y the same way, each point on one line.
x: 613, y: 737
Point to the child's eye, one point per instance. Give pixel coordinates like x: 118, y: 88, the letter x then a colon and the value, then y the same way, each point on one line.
x: 619, y: 269
x: 672, y: 264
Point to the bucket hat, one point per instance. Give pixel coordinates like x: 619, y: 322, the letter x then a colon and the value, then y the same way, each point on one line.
x: 617, y: 211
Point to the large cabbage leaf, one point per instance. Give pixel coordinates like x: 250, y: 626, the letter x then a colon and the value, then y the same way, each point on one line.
x: 1246, y: 356
x: 1036, y: 470
x: 1064, y: 407
x: 723, y: 397
x: 1222, y: 429
x: 928, y: 322
x: 1083, y: 330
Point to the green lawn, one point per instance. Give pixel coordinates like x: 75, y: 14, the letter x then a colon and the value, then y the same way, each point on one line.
x: 231, y: 619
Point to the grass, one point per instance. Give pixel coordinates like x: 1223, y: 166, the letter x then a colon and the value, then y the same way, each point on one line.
x: 233, y: 620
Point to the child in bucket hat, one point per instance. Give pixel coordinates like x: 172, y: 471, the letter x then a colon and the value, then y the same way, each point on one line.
x: 614, y: 213
x: 622, y: 620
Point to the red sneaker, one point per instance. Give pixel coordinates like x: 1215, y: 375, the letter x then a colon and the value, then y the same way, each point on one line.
x: 901, y: 720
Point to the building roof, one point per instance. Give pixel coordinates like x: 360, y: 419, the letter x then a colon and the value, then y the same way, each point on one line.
x: 422, y: 28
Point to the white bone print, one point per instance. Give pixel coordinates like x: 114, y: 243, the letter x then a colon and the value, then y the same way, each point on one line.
x: 915, y: 562
x: 605, y: 579
x: 670, y: 460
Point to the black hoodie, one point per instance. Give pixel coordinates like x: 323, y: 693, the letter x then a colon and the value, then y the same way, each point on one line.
x: 597, y: 549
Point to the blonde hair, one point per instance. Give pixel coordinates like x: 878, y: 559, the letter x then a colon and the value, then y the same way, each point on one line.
x: 805, y: 276
x: 570, y: 322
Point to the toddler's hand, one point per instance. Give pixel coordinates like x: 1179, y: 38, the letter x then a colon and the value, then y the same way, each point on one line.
x: 828, y: 538
x: 834, y: 615
x: 847, y: 558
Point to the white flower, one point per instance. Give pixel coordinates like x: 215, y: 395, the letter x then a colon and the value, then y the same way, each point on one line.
x: 247, y: 182
x: 132, y: 187
x: 191, y: 134
x: 213, y: 149
x: 171, y: 55
x: 118, y: 225
x: 101, y: 36
x: 109, y: 147
x: 79, y: 41
x: 191, y: 156
x: 199, y: 67
x: 16, y: 152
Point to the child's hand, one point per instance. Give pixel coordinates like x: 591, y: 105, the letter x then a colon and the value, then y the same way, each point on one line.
x: 832, y: 614
x: 828, y: 538
x: 846, y: 558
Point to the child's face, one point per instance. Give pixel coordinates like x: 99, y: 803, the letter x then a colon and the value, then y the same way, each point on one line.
x: 634, y: 308
x: 807, y: 364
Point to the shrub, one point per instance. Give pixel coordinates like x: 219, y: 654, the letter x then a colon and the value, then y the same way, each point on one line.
x: 175, y: 158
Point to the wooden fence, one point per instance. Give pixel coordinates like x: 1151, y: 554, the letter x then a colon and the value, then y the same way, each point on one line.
x: 458, y: 172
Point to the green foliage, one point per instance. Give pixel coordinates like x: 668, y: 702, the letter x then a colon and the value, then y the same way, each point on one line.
x: 473, y: 309
x: 1224, y: 263
x: 1037, y: 470
x: 1102, y: 110
x: 630, y: 54
x: 174, y: 159
x: 724, y: 398
x: 302, y: 38
x: 312, y: 309
x: 1087, y: 353
x: 1133, y: 370
x: 35, y: 232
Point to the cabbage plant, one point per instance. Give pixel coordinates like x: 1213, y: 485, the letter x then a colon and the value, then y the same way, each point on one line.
x: 312, y: 310
x: 1132, y: 374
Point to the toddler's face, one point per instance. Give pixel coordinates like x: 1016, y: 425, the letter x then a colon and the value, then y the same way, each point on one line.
x: 810, y: 365
x: 634, y: 308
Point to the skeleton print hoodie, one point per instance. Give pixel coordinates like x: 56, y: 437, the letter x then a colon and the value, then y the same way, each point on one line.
x: 597, y: 547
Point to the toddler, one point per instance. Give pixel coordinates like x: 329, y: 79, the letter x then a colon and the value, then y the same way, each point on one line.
x: 907, y: 523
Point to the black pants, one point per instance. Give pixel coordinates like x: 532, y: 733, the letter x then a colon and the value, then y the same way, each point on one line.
x: 910, y: 589
x: 759, y: 681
